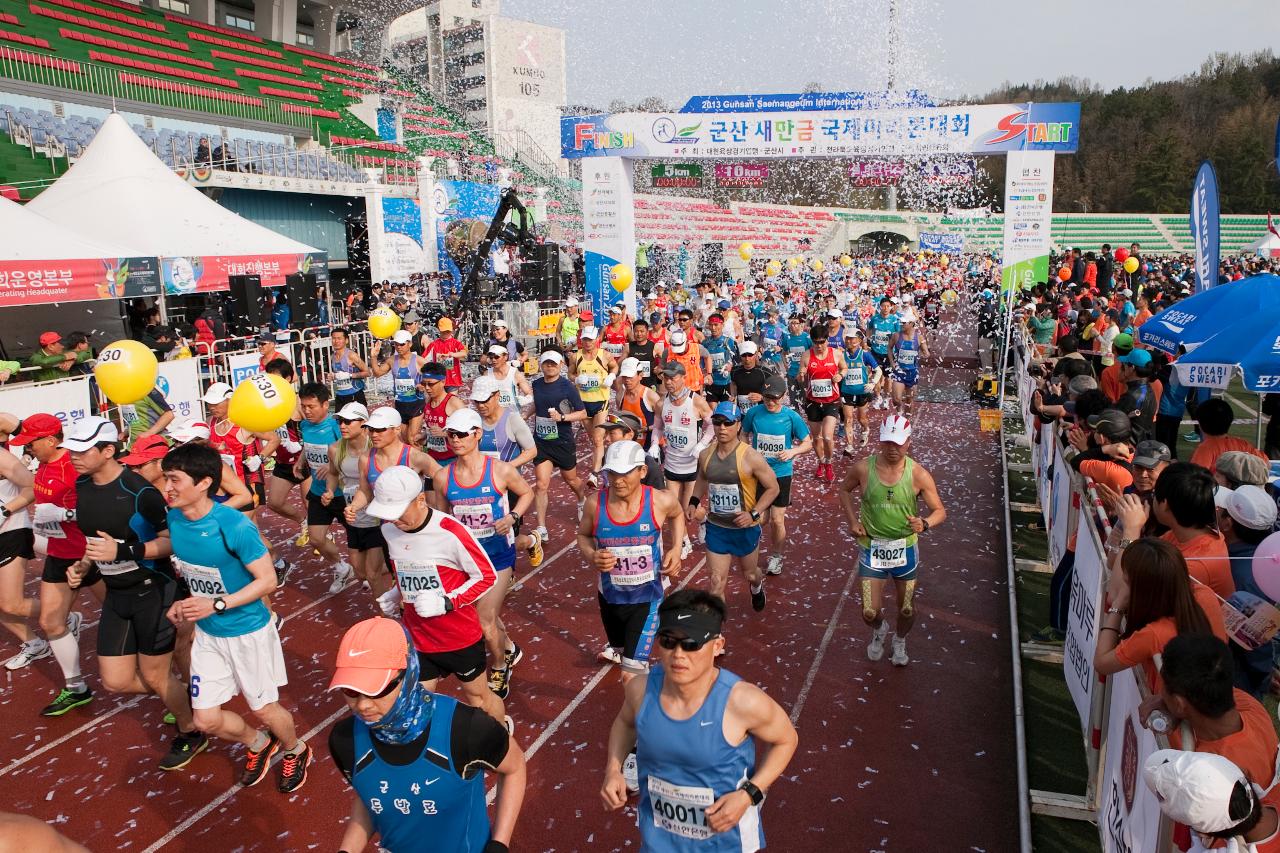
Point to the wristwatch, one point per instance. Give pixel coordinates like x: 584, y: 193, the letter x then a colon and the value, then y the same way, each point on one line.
x: 755, y: 515
x: 5, y: 511
x: 219, y: 605
x: 753, y: 791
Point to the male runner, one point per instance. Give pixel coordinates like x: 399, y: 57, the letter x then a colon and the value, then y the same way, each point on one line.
x: 696, y: 730
x: 880, y: 329
x: 450, y: 352
x: 283, y: 474
x: 513, y: 388
x: 405, y: 367
x: 820, y: 374
x: 738, y: 487
x: 746, y: 381
x: 795, y: 345
x: 594, y: 372
x: 387, y: 450
x: 439, y: 404
x: 634, y: 397
x: 615, y: 336
x: 647, y: 354
x: 347, y: 371
x: 723, y: 349
x: 219, y: 553
x: 861, y: 374
x: 319, y: 429
x: 890, y: 487
x: 779, y: 435
x: 16, y: 548
x: 477, y: 491
x: 556, y: 405
x: 676, y: 425
x: 906, y: 348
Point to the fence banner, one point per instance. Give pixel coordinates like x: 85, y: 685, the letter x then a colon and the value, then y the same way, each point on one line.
x: 941, y: 241
x: 67, y: 399
x: 180, y: 382
x: 1130, y: 815
x: 1058, y: 512
x: 1205, y: 235
x: 1082, y: 620
x: 1043, y: 456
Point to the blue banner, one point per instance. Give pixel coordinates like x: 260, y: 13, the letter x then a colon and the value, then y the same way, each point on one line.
x: 463, y: 210
x: 805, y: 102
x: 941, y: 242
x: 1205, y: 235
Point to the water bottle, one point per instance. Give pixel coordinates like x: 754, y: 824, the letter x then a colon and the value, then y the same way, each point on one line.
x: 1159, y: 722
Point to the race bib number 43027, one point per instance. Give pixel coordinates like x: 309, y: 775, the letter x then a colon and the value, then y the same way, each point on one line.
x: 888, y: 553
x: 680, y: 809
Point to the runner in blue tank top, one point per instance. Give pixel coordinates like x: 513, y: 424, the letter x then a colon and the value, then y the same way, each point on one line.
x: 318, y: 429
x: 881, y: 328
x: 906, y: 350
x: 708, y: 744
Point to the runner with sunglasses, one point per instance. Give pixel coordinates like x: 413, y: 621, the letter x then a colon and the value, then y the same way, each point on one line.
x: 820, y: 373
x: 439, y: 405
x: 405, y: 367
x: 342, y: 477
x: 861, y: 374
x: 679, y: 415
x: 779, y: 435
x: 709, y: 745
x: 415, y: 760
x: 557, y: 405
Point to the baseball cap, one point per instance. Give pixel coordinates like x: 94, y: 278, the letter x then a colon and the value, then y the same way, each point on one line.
x: 623, y: 457
x: 572, y: 302
x: 677, y: 341
x: 353, y: 412
x: 1137, y: 357
x: 551, y: 355
x: 498, y: 349
x: 1195, y: 788
x: 186, y: 431
x: 617, y: 309
x: 1244, y: 468
x: 393, y: 491
x: 1112, y: 423
x: 1079, y: 384
x: 402, y: 337
x: 629, y: 367
x: 266, y: 338
x: 723, y: 304
x: 673, y: 368
x: 748, y: 348
x: 500, y: 324
x: 908, y: 316
x: 146, y: 449
x: 690, y: 624
x: 589, y: 333
x: 896, y: 429
x: 1122, y: 343
x: 1249, y: 506
x: 444, y: 324
x: 385, y: 417
x: 775, y: 386
x: 484, y: 387
x: 834, y: 314
x: 464, y: 420
x: 727, y: 409
x: 218, y: 392
x: 1150, y: 453
x: 85, y: 433
x: 49, y: 338
x: 410, y: 317
x: 622, y: 420
x: 36, y: 426
x: 372, y: 653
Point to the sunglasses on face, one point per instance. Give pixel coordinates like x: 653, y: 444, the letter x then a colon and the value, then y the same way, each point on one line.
x: 772, y: 399
x: 355, y: 694
x: 349, y: 421
x: 722, y: 422
x: 669, y: 642
x: 377, y: 429
x: 457, y: 436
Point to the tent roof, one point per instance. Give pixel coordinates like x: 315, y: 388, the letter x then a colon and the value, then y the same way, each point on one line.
x: 1266, y: 241
x: 119, y: 191
x: 28, y: 236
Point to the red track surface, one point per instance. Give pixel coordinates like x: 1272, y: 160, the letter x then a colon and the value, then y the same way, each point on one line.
x: 911, y: 759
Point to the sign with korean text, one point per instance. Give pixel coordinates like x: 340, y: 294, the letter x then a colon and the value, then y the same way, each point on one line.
x: 741, y: 174
x: 941, y: 241
x: 65, y: 399
x: 1028, y: 215
x: 208, y: 273
x: 682, y: 175
x: 45, y: 282
x: 877, y: 173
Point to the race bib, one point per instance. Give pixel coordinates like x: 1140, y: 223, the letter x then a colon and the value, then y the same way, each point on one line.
x: 744, y: 402
x: 678, y: 439
x: 888, y: 553
x: 726, y: 498
x: 717, y: 360
x: 116, y: 567
x: 50, y: 529
x: 796, y: 352
x: 820, y: 387
x: 129, y: 413
x: 907, y: 358
x: 417, y: 577
x: 614, y: 350
x: 204, y: 581
x: 770, y: 343
x: 546, y: 429
x: 317, y: 455
x: 680, y: 809
x: 856, y: 376
x: 635, y: 565
x: 506, y: 398
x: 436, y: 443
x: 405, y: 387
x: 349, y: 492
x: 448, y: 362
x: 478, y: 518
x: 770, y: 445
x: 342, y: 382
x: 588, y: 381
x: 644, y: 369
x: 228, y: 460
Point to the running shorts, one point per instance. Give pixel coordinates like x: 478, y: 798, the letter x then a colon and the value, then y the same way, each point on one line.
x: 342, y: 399
x: 17, y: 543
x: 631, y: 628
x: 251, y: 665
x: 322, y: 516
x: 680, y: 478
x: 899, y: 562
x: 467, y: 664
x: 365, y: 538
x: 815, y: 412
x: 882, y: 358
x: 907, y: 378
x: 717, y: 393
x: 286, y: 473
x: 557, y: 454
x: 55, y: 571
x: 784, y: 492
x: 593, y: 408
x: 734, y: 541
x: 857, y: 401
x: 134, y: 620
x: 409, y: 411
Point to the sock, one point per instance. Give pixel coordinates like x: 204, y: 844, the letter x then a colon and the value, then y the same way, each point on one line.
x: 297, y: 747
x: 67, y: 652
x: 756, y: 587
x: 260, y: 741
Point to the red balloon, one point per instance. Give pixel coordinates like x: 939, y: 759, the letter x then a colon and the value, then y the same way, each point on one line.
x: 1064, y: 274
x: 1121, y: 254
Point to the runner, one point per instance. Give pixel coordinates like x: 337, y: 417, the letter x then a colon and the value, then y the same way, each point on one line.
x: 906, y: 348
x: 569, y: 325
x: 615, y: 336
x: 625, y: 426
x: 594, y: 372
x: 861, y: 374
x: 746, y: 381
x: 723, y: 349
x: 440, y: 404
x: 124, y: 520
x: 820, y: 373
x: 477, y: 491
x: 441, y: 571
x: 739, y: 487
x: 405, y: 368
x: 647, y: 354
x: 219, y: 552
x: 283, y: 476
x: 795, y: 345
x: 684, y: 350
x: 450, y: 352
x: 772, y: 332
x: 17, y: 491
x: 635, y: 397
x: 880, y: 330
x: 347, y: 370
x: 675, y: 431
x: 319, y: 429
x: 513, y: 388
x: 696, y: 730
x: 779, y: 435
x: 414, y: 758
x: 890, y: 487
x: 556, y: 405
x: 54, y: 515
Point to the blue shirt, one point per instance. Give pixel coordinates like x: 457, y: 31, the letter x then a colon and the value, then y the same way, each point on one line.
x: 795, y: 346
x: 879, y: 330
x: 211, y: 554
x: 722, y: 350
x: 316, y: 439
x: 771, y: 335
x: 561, y: 394
x: 862, y: 365
x: 772, y: 432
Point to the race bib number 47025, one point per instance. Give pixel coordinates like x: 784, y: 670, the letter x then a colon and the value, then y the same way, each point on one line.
x: 417, y: 577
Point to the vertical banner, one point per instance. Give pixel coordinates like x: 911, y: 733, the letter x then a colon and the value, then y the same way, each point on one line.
x: 1028, y: 215
x: 1204, y: 226
x: 1130, y: 815
x: 609, y: 232
x: 1059, y: 515
x: 1082, y: 621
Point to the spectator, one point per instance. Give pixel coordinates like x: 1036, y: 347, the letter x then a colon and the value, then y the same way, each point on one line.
x: 1183, y: 502
x: 1141, y: 398
x: 53, y: 358
x: 203, y: 157
x: 1246, y: 516
x: 1215, y: 417
x: 1213, y: 797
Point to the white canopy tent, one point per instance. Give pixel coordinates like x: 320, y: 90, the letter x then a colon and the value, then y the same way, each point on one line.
x: 29, y: 237
x: 1267, y: 245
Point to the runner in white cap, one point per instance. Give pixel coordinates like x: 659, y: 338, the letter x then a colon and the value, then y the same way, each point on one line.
x: 513, y: 388
x: 679, y: 416
x: 594, y: 371
x: 388, y: 449
x: 635, y: 397
x: 569, y: 324
x: 906, y: 348
x: 342, y: 477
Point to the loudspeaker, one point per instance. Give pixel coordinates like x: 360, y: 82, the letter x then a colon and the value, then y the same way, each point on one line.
x: 541, y: 276
x: 246, y: 303
x: 301, y: 293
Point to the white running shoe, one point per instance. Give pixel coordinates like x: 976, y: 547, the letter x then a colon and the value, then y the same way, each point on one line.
x: 686, y: 548
x: 593, y: 481
x: 631, y: 772
x: 343, y: 573
x: 701, y: 536
x: 510, y: 724
x: 875, y: 648
x: 74, y: 621
x: 775, y: 565
x: 900, y: 652
x: 609, y: 655
x: 542, y: 534
x: 32, y: 651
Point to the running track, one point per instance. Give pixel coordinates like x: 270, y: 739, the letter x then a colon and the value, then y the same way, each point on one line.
x: 889, y: 759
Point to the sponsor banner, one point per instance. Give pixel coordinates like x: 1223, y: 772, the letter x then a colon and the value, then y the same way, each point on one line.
x: 941, y: 242
x: 741, y: 174
x: 949, y: 171
x: 66, y: 399
x: 1204, y: 226
x: 1129, y: 816
x: 179, y: 381
x: 1043, y: 458
x: 43, y: 282
x: 1082, y: 621
x: 805, y: 102
x: 462, y: 213
x: 608, y: 232
x: 1028, y: 213
x: 1059, y: 513
x: 278, y: 183
x: 210, y: 272
x: 1205, y: 375
x: 914, y: 131
x: 676, y: 175
x: 877, y: 173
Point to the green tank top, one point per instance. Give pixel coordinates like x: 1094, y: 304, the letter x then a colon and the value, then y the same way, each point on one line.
x: 886, y: 506
x: 731, y: 488
x: 569, y: 330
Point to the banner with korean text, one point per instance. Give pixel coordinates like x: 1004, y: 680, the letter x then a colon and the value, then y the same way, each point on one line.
x: 66, y: 399
x: 1028, y: 215
x: 609, y: 232
x: 1129, y: 817
x: 1082, y: 620
x: 45, y: 282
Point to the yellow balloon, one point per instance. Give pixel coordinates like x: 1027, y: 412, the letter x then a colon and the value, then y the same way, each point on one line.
x: 772, y: 268
x: 846, y: 261
x: 745, y: 251
x: 817, y: 266
x: 792, y: 263
x: 1131, y: 265
x: 865, y: 272
x: 383, y: 323
x: 126, y: 372
x: 621, y: 277
x: 944, y: 260
x: 262, y: 403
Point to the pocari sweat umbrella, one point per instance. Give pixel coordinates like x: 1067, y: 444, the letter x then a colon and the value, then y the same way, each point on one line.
x: 1198, y: 318
x: 1251, y: 345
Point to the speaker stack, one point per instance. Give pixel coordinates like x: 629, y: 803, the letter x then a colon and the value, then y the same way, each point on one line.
x: 301, y: 292
x: 247, y: 304
x: 540, y: 277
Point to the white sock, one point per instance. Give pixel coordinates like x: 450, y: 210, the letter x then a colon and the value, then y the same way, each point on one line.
x: 67, y: 652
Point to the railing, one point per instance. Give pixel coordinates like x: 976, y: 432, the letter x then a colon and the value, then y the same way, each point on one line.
x: 516, y: 146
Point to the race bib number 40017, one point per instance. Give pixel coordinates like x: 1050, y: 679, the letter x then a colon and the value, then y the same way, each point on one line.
x: 680, y: 809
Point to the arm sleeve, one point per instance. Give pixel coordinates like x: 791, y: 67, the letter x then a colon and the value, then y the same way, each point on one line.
x: 478, y: 741
x: 158, y: 399
x: 520, y: 432
x: 244, y: 540
x: 471, y: 559
x: 152, y: 508
x: 342, y: 747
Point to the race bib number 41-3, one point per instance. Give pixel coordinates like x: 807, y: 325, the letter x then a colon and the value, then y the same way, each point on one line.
x: 634, y: 566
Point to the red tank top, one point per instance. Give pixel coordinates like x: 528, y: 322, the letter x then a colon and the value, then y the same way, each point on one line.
x: 234, y: 451
x: 821, y: 378
x: 288, y: 432
x: 55, y: 483
x: 615, y: 339
x: 435, y: 416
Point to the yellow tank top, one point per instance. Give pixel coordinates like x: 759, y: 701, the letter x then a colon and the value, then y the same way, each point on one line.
x: 590, y: 379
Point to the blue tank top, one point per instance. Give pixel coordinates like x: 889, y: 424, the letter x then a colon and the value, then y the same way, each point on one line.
x: 478, y: 506
x: 496, y: 442
x: 856, y: 374
x: 674, y: 794
x: 722, y: 350
x: 422, y: 800
x: 637, y: 576
x: 346, y: 387
x: 879, y: 330
x: 404, y: 380
x: 905, y: 353
x: 372, y: 474
x: 316, y: 439
x: 796, y: 346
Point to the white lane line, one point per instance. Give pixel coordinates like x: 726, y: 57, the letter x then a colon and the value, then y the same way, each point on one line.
x: 803, y: 696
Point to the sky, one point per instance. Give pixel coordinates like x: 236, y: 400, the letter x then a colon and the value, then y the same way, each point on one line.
x: 678, y: 48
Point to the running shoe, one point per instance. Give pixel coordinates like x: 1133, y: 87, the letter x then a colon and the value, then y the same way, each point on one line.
x: 848, y: 450
x: 304, y: 535
x: 32, y: 650
x: 513, y: 656
x: 293, y: 770
x: 609, y: 655
x: 831, y: 473
x: 875, y: 648
x: 631, y: 772
x: 1048, y: 635
x: 535, y: 551
x: 1192, y: 437
x: 686, y: 548
x: 256, y: 764
x: 66, y: 700
x: 900, y: 652
x: 184, y: 748
x: 509, y: 724
x: 757, y: 599
x: 74, y: 622
x: 866, y: 436
x: 817, y: 471
x: 542, y: 534
x: 343, y: 573
x: 500, y: 682
x: 283, y: 568
x: 775, y: 565
x: 169, y: 719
